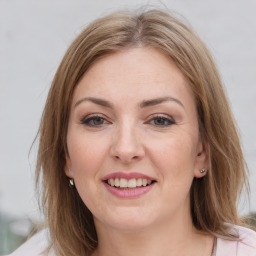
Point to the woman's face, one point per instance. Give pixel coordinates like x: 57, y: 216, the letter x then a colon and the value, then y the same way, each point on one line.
x: 133, y: 140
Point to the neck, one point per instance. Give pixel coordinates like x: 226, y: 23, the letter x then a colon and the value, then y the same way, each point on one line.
x: 172, y: 238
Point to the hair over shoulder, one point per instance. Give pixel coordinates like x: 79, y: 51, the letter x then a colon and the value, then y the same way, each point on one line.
x: 213, y: 198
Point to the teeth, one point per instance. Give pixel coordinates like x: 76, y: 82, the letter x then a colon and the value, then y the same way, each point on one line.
x: 132, y: 183
x: 117, y: 182
x: 123, y: 183
x: 139, y: 182
x: 112, y: 182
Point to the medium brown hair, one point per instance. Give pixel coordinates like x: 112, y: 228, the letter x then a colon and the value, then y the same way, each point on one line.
x: 213, y: 198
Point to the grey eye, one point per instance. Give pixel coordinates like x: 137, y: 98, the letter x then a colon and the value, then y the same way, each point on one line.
x: 161, y: 121
x: 94, y: 121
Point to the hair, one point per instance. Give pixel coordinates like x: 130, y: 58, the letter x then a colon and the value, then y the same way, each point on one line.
x: 213, y: 198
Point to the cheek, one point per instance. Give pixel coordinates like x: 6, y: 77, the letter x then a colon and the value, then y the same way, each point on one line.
x: 175, y: 155
x: 86, y: 154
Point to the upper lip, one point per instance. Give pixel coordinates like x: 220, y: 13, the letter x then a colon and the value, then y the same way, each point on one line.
x: 127, y: 175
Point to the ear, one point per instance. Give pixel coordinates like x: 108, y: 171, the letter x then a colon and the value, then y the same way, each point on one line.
x: 202, y: 159
x: 68, y: 169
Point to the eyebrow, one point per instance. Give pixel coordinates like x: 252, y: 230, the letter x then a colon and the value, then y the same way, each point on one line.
x: 97, y: 101
x: 153, y: 102
x: 143, y: 104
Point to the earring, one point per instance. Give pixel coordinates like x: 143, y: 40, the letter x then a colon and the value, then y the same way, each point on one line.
x: 71, y: 182
x: 203, y: 170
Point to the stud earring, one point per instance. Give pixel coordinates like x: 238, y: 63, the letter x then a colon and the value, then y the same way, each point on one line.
x: 71, y: 182
x: 203, y: 170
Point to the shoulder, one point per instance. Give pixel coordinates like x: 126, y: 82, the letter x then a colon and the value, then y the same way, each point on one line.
x: 36, y: 246
x: 245, y: 246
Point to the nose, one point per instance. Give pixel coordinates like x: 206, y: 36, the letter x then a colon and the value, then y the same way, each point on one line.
x: 127, y: 145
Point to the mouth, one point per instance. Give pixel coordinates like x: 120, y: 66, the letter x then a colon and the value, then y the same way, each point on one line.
x: 128, y: 184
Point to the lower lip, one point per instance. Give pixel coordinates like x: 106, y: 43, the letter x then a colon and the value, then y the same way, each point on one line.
x: 128, y: 193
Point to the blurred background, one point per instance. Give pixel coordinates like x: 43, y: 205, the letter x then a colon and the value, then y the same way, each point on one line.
x: 34, y: 35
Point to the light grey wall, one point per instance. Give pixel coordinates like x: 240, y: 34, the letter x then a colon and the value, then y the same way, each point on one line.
x: 34, y: 36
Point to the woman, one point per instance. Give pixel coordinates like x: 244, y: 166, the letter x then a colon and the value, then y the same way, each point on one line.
x: 139, y: 154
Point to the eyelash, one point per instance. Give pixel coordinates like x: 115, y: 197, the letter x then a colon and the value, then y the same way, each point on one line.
x: 166, y: 119
x: 88, y: 119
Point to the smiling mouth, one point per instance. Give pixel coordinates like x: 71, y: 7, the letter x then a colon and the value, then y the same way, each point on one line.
x: 122, y: 183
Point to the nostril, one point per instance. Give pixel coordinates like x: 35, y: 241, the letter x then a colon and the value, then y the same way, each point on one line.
x: 126, y: 158
x: 117, y: 157
x: 127, y: 148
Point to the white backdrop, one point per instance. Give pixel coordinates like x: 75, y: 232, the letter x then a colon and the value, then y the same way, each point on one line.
x: 33, y: 38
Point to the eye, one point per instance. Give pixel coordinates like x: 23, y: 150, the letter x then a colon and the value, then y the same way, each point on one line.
x: 94, y: 121
x: 162, y: 121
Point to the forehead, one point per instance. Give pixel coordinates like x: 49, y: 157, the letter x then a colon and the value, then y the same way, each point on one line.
x: 133, y: 74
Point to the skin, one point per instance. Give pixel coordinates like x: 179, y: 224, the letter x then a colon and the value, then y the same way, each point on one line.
x: 161, y: 141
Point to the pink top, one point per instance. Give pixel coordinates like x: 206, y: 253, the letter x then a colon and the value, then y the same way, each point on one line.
x: 245, y: 247
x: 38, y: 244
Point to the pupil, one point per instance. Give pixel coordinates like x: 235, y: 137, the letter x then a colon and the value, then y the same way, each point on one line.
x: 160, y: 121
x: 97, y: 120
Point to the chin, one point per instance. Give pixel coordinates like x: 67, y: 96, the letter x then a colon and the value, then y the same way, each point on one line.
x: 128, y: 220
